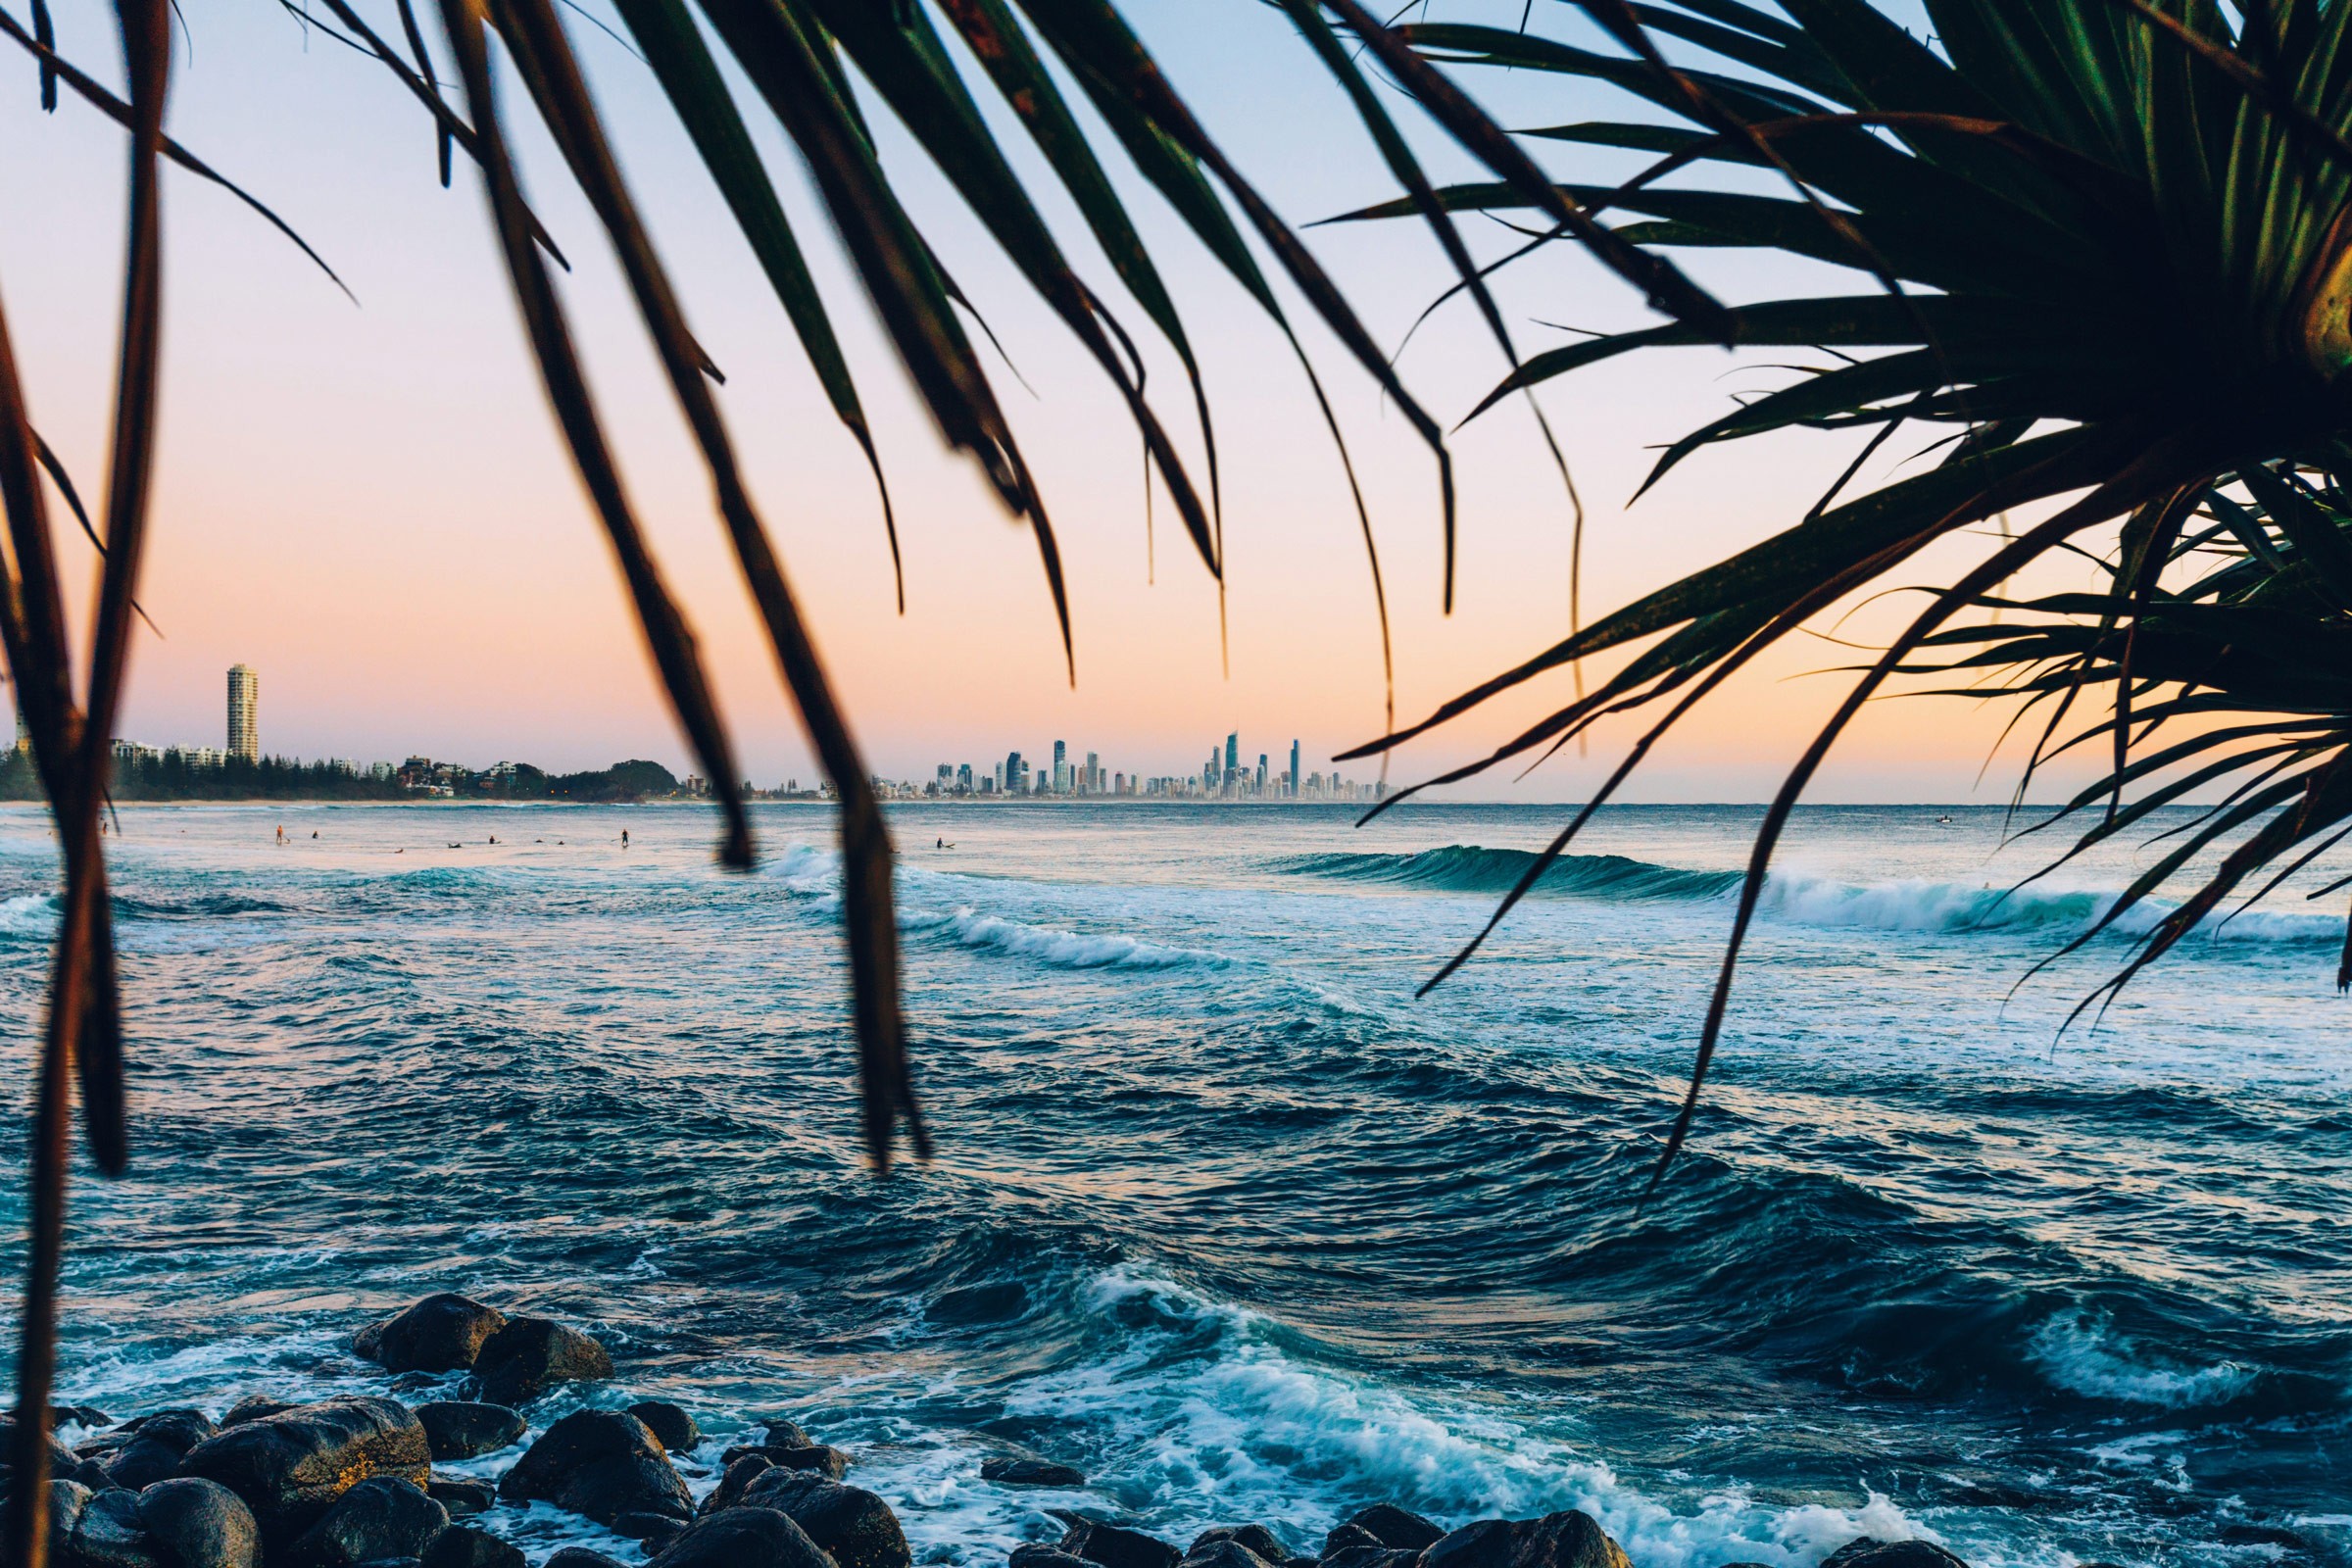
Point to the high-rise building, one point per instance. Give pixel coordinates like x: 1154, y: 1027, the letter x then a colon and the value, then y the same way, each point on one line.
x: 1233, y: 752
x: 244, y: 714
x: 1094, y: 774
x: 1062, y: 767
x: 1261, y: 772
x: 963, y: 778
x: 1294, y: 767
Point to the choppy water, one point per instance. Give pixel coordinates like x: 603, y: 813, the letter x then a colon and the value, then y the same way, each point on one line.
x: 1226, y: 1217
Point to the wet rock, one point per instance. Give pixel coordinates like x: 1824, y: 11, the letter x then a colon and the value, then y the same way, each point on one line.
x: 254, y: 1407
x: 582, y: 1557
x: 464, y: 1546
x: 1370, y: 1558
x: 93, y: 1474
x: 442, y: 1333
x: 652, y: 1531
x: 382, y: 1516
x: 200, y: 1524
x: 157, y: 1444
x: 109, y: 1533
x: 784, y: 1434
x: 78, y: 1415
x: 1226, y: 1553
x: 1112, y: 1546
x: 367, y: 1340
x: 1348, y: 1538
x: 737, y: 1538
x: 849, y: 1524
x: 1394, y: 1527
x: 600, y: 1463
x: 669, y: 1423
x: 1868, y: 1551
x: 1257, y: 1538
x: 831, y: 1463
x: 740, y: 1473
x: 392, y: 1562
x: 290, y: 1467
x: 1038, y: 1554
x: 1030, y: 1473
x: 532, y: 1354
x: 461, y: 1497
x: 419, y: 1382
x: 60, y: 1458
x: 458, y: 1429
x: 1566, y: 1540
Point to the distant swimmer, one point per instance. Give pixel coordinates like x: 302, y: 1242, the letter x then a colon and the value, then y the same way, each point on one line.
x: 494, y: 838
x: 314, y: 832
x: 940, y: 844
x: 624, y: 838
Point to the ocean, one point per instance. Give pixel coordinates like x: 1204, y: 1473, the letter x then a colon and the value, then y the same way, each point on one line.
x: 1221, y: 1213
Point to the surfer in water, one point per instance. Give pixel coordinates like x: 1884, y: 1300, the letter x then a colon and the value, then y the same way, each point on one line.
x: 281, y: 835
x: 624, y: 838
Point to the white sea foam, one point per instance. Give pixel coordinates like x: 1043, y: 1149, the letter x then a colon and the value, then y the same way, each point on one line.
x: 1921, y: 904
x: 1064, y: 950
x: 2083, y: 1354
x: 29, y: 913
x: 1198, y: 1416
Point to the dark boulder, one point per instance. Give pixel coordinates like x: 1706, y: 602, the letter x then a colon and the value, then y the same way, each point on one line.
x: 254, y: 1407
x: 781, y: 1433
x: 87, y: 1416
x: 157, y: 1444
x: 740, y: 1473
x: 291, y: 1466
x: 1040, y: 1554
x: 91, y: 1473
x: 849, y: 1524
x: 1257, y: 1538
x: 1868, y: 1551
x: 109, y: 1533
x: 382, y: 1516
x: 1348, y: 1538
x: 670, y: 1423
x: 1226, y: 1553
x: 652, y: 1531
x: 831, y: 1463
x: 601, y: 1463
x: 581, y: 1557
x: 1394, y: 1527
x: 739, y: 1537
x: 61, y: 1460
x: 1370, y: 1558
x: 461, y: 1497
x: 1112, y: 1546
x: 200, y: 1524
x: 1030, y: 1473
x: 532, y: 1354
x: 1566, y: 1540
x: 464, y: 1546
x: 458, y: 1429
x: 442, y: 1333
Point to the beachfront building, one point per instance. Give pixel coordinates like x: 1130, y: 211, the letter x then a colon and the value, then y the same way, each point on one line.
x: 244, y: 714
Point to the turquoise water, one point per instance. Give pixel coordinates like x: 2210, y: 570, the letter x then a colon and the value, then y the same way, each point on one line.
x: 1222, y: 1214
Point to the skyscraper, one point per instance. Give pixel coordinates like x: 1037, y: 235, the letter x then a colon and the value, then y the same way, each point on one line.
x: 1261, y: 772
x: 1294, y: 768
x: 1233, y: 752
x: 1062, y: 767
x: 244, y: 714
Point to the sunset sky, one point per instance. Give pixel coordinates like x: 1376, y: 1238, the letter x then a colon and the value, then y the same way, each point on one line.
x: 370, y: 505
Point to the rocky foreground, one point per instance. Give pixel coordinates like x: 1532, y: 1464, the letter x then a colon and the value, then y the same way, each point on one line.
x: 349, y: 1483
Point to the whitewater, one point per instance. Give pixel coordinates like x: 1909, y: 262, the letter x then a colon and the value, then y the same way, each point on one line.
x: 1227, y: 1216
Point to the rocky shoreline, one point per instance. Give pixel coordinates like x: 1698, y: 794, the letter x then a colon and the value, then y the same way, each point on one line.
x: 348, y: 1482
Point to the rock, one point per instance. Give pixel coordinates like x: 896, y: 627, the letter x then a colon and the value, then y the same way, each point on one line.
x: 1867, y: 1552
x: 1030, y: 1473
x: 1370, y: 1558
x: 849, y: 1524
x: 442, y: 1333
x: 831, y: 1463
x: 77, y: 1415
x: 291, y: 1466
x: 1114, y: 1548
x: 464, y: 1546
x: 532, y: 1354
x: 737, y: 1538
x: 1348, y: 1538
x: 741, y: 1473
x: 1257, y: 1538
x: 61, y: 1460
x: 157, y: 1444
x: 581, y: 1557
x: 457, y: 1429
x: 109, y: 1533
x: 366, y: 1342
x: 1225, y: 1553
x: 658, y: 1528
x: 1394, y: 1527
x: 669, y: 1423
x: 200, y: 1524
x: 419, y: 1382
x: 1038, y: 1554
x: 601, y: 1463
x: 461, y: 1497
x: 254, y: 1407
x: 382, y: 1516
x: 393, y: 1562
x: 93, y: 1474
x: 1566, y: 1540
x: 784, y: 1434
